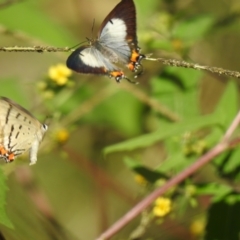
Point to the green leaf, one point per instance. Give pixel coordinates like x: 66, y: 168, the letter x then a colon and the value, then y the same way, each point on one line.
x: 162, y: 85
x: 3, y: 189
x: 189, y: 77
x: 219, y: 191
x: 161, y: 44
x: 220, y: 159
x: 214, y: 136
x: 193, y: 29
x: 31, y: 19
x: 170, y: 130
x: 150, y: 175
x: 233, y: 162
x: 228, y: 105
x: 177, y: 90
x: 175, y: 163
x: 122, y: 111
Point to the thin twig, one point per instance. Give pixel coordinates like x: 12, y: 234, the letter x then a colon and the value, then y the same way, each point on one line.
x: 179, y: 63
x: 146, y: 202
x: 169, y: 62
x: 38, y: 49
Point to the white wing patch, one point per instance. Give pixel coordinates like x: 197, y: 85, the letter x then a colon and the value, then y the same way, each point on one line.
x: 115, y: 28
x: 113, y: 36
x: 92, y: 57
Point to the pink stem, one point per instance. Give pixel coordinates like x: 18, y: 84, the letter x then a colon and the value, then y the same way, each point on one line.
x: 232, y: 128
x: 135, y: 211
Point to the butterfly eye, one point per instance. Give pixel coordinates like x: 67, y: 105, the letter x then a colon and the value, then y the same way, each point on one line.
x: 45, y: 127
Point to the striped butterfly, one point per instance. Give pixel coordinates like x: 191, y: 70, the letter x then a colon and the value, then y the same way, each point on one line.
x: 20, y: 131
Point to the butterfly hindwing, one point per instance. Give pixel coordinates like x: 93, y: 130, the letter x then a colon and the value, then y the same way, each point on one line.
x: 88, y: 59
x: 19, y: 131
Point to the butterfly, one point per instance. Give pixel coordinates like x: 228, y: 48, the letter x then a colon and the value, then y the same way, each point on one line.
x: 19, y: 131
x: 116, y: 44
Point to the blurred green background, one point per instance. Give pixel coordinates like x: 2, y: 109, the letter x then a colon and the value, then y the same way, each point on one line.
x: 82, y: 185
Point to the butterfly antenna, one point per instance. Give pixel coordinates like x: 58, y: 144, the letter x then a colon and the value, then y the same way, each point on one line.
x: 48, y: 119
x: 92, y: 28
x: 78, y: 45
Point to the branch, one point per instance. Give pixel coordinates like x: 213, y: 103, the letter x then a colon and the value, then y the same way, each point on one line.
x: 179, y: 63
x: 38, y: 49
x: 169, y: 62
x: 146, y: 202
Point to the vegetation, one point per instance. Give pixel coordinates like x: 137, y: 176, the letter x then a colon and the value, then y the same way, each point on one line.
x: 111, y: 147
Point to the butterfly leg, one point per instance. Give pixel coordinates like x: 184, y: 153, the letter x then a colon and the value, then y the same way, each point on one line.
x: 119, y: 75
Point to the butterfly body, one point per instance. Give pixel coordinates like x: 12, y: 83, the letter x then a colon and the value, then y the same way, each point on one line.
x: 115, y: 45
x: 20, y: 131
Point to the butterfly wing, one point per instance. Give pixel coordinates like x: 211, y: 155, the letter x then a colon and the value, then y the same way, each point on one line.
x: 116, y: 43
x: 120, y: 23
x: 19, y: 131
x: 118, y: 35
x: 88, y: 59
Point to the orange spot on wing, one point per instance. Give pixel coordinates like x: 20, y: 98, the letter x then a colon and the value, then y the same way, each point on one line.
x: 11, y: 157
x: 131, y: 66
x: 3, y: 151
x: 8, y: 156
x: 116, y: 74
x: 133, y: 60
x: 134, y: 57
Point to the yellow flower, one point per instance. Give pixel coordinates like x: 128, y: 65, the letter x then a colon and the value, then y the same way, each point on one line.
x: 162, y: 207
x: 140, y: 180
x: 197, y: 227
x: 62, y: 135
x: 59, y: 74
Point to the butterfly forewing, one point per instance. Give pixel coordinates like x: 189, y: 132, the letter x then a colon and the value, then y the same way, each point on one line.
x: 125, y: 12
x: 113, y: 42
x: 19, y: 130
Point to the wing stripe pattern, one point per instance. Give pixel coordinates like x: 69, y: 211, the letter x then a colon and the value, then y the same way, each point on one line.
x: 19, y: 131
